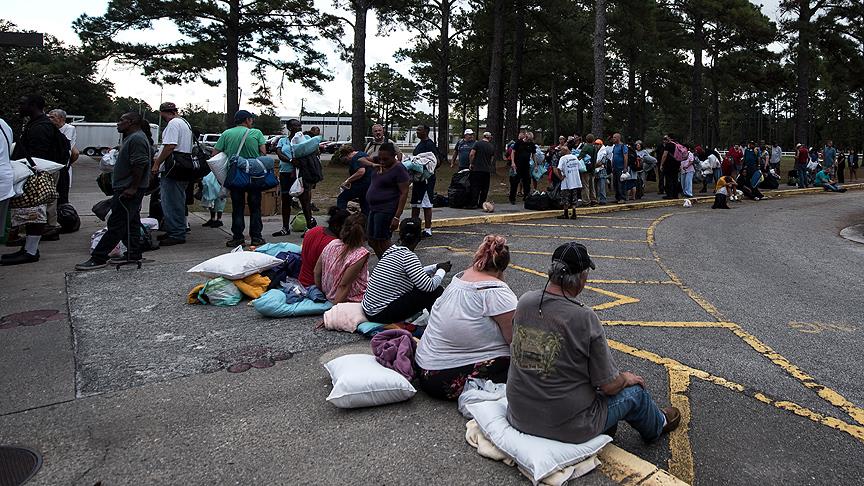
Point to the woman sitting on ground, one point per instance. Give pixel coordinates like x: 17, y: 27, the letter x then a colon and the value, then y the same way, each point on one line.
x: 470, y: 326
x: 400, y: 286
x: 314, y: 241
x: 359, y: 177
x: 342, y: 271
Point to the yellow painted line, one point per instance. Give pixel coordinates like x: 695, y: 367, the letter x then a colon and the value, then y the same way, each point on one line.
x: 619, y: 298
x: 542, y: 237
x: 525, y: 252
x: 586, y: 226
x: 631, y: 470
x: 632, y: 282
x: 696, y: 324
x: 856, y: 431
x: 622, y: 218
x: 681, y: 452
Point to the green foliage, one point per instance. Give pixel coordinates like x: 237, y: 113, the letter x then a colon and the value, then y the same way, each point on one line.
x: 391, y: 95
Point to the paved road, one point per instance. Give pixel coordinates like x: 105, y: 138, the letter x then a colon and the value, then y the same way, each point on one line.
x: 748, y: 324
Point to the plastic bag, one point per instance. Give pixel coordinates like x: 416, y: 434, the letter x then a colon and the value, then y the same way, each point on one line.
x: 106, y: 164
x: 476, y: 391
x: 220, y: 291
x: 296, y: 188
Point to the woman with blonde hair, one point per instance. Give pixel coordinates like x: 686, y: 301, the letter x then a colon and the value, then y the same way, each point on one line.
x: 470, y: 326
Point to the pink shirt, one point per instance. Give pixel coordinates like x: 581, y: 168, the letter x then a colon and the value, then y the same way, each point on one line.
x: 333, y: 266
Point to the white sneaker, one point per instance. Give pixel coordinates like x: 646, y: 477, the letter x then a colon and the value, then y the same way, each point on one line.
x: 427, y: 233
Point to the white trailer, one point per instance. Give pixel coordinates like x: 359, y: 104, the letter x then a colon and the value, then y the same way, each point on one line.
x: 97, y: 138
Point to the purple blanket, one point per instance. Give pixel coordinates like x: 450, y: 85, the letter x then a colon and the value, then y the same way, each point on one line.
x: 394, y: 349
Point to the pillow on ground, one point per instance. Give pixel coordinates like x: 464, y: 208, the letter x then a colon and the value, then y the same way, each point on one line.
x: 235, y: 265
x: 538, y: 456
x: 344, y: 317
x: 359, y: 381
x: 274, y: 304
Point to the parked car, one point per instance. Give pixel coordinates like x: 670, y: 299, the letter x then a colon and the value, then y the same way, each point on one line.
x: 335, y: 146
x: 208, y: 139
x: 272, y: 142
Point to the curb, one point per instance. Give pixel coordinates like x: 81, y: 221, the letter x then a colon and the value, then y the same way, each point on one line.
x: 630, y: 470
x: 613, y: 208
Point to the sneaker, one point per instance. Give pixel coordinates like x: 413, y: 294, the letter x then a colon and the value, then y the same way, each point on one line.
x: 171, y: 242
x: 19, y: 257
x: 91, y: 264
x: 217, y: 224
x: 209, y: 224
x: 258, y: 242
x: 233, y: 243
x: 282, y: 232
x: 311, y: 223
x: 427, y: 233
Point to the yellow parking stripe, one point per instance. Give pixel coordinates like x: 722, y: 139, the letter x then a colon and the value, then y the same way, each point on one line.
x: 542, y: 237
x: 681, y: 452
x: 586, y: 226
x: 524, y: 252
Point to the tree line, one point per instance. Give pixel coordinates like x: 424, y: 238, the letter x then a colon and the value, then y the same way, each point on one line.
x: 710, y: 71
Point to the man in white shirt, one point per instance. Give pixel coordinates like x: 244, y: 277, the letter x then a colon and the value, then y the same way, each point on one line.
x: 7, y: 178
x: 176, y: 140
x: 64, y: 176
x: 776, y: 155
x: 568, y: 172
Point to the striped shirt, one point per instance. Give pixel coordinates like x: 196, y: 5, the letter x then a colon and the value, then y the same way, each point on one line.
x: 398, y: 272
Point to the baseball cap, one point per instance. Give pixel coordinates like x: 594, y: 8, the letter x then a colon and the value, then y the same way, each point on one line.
x: 242, y: 115
x: 598, y: 141
x: 469, y: 132
x: 168, y: 106
x: 574, y: 256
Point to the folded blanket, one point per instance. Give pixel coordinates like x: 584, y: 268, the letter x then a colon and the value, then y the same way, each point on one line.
x: 394, y: 349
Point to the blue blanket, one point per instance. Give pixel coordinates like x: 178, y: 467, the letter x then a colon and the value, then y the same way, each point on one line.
x: 273, y: 304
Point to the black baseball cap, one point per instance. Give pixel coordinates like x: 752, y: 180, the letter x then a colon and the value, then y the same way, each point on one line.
x: 575, y: 256
x: 243, y: 115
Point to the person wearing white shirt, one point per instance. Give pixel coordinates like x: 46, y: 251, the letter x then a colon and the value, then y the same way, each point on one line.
x: 7, y: 189
x: 568, y: 172
x: 64, y: 176
x: 176, y: 139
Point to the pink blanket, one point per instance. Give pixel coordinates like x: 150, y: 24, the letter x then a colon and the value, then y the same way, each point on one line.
x: 394, y: 349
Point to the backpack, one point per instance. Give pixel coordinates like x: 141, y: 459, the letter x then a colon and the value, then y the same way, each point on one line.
x: 68, y: 218
x: 459, y: 192
x: 148, y: 243
x: 681, y: 152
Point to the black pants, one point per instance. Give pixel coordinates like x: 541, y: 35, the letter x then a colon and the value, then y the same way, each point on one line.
x: 671, y: 183
x: 720, y: 202
x: 479, y: 187
x: 523, y: 175
x: 122, y: 228
x: 448, y: 384
x: 841, y: 172
x: 64, y: 182
x: 407, y: 305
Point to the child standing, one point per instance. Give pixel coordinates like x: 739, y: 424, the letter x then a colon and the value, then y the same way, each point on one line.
x: 568, y: 171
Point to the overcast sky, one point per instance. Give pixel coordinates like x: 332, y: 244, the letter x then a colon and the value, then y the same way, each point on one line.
x: 55, y: 17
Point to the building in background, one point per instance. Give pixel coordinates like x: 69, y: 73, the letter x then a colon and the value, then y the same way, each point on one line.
x: 334, y: 128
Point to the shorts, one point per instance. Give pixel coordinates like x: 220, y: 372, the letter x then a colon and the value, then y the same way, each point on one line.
x: 568, y: 197
x: 286, y: 180
x: 422, y: 193
x: 378, y: 225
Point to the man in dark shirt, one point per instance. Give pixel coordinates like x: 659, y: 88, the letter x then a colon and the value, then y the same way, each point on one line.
x: 670, y: 167
x: 520, y: 161
x: 40, y: 139
x: 130, y: 179
x: 482, y: 165
x: 423, y: 191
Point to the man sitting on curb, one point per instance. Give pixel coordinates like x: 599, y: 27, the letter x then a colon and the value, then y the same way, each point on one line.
x: 823, y: 180
x: 563, y: 383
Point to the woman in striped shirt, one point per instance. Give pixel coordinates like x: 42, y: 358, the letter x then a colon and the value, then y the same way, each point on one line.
x: 400, y: 286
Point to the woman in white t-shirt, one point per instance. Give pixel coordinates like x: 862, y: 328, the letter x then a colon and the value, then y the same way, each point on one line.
x: 470, y: 326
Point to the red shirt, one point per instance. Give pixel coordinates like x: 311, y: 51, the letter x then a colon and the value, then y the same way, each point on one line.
x: 313, y: 244
x: 803, y: 156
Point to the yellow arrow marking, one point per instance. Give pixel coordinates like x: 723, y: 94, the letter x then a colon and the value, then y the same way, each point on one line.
x: 619, y: 299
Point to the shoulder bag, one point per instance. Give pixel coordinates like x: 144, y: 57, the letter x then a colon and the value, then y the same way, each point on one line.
x: 249, y: 174
x: 39, y: 188
x: 188, y: 167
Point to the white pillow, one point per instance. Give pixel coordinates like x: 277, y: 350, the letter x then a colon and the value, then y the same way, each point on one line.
x: 219, y: 166
x: 235, y: 265
x: 359, y: 381
x: 538, y: 456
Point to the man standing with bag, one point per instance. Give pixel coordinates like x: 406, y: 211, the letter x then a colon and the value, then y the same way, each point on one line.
x: 248, y: 143
x: 129, y: 181
x: 64, y: 176
x: 177, y: 141
x: 43, y: 140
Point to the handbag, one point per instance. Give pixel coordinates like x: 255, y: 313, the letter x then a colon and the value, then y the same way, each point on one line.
x: 249, y: 174
x: 39, y: 188
x: 309, y: 168
x: 626, y: 176
x: 187, y: 167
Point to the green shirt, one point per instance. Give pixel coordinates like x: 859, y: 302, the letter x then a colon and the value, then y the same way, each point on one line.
x: 821, y: 179
x: 589, y: 149
x: 229, y: 141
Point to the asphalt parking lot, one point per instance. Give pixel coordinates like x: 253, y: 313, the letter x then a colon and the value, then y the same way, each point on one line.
x: 749, y: 320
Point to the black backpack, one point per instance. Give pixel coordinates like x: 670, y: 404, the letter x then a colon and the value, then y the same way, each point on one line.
x: 68, y: 218
x: 459, y: 192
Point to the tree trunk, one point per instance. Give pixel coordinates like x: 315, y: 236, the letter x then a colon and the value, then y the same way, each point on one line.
x: 464, y: 117
x: 802, y: 69
x: 695, y: 133
x: 232, y: 63
x: 580, y: 116
x: 715, y: 112
x: 496, y: 74
x: 512, y: 122
x: 631, y: 98
x: 444, y: 82
x: 599, y: 101
x: 555, y: 110
x: 358, y: 76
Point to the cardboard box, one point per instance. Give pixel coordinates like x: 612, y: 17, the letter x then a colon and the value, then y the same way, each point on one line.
x: 271, y: 203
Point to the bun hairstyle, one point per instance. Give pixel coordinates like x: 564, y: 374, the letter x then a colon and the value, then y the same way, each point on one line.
x: 336, y: 218
x: 353, y: 232
x: 493, y: 254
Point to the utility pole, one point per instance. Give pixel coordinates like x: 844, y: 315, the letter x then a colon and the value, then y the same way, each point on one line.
x: 302, y: 101
x: 338, y: 115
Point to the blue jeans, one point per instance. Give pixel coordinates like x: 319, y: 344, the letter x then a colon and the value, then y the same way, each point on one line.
x: 601, y: 188
x: 635, y: 406
x: 802, y: 176
x: 356, y: 191
x: 687, y: 183
x: 173, y: 196
x: 718, y: 173
x: 238, y: 207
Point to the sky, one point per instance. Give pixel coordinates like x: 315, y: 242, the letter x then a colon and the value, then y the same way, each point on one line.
x: 55, y: 17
